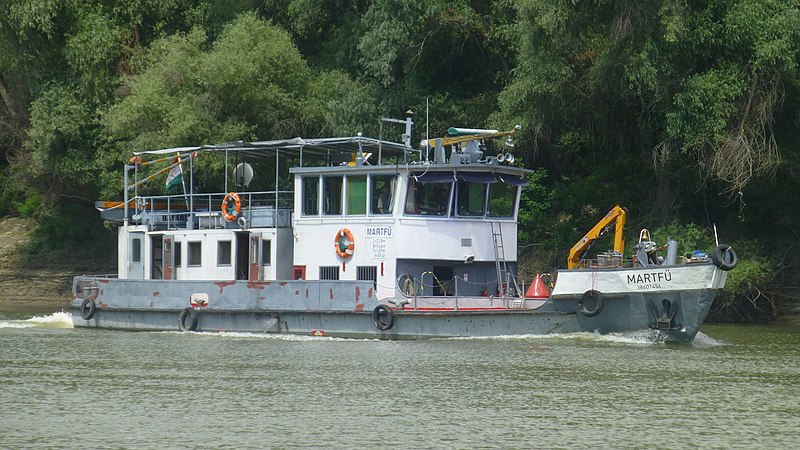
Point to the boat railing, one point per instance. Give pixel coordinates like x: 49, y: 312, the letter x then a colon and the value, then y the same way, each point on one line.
x: 454, y: 288
x: 263, y: 208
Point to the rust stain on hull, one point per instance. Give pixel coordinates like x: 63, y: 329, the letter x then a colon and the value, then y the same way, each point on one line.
x: 223, y: 284
x: 257, y: 285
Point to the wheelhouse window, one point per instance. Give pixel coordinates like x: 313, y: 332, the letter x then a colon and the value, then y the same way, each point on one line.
x: 502, y: 199
x: 310, y: 196
x: 224, y: 253
x: 382, y: 194
x: 195, y: 254
x: 332, y: 196
x: 427, y: 198
x: 356, y: 195
x: 470, y: 199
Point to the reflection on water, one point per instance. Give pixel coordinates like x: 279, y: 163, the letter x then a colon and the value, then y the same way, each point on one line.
x: 735, y: 386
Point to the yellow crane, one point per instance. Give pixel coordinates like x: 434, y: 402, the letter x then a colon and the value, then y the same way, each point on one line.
x: 614, y: 218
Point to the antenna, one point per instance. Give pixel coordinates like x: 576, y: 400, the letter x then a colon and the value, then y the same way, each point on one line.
x: 427, y: 124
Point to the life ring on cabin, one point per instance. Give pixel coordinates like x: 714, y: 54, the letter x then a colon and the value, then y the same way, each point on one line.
x: 187, y: 321
x: 588, y: 295
x: 724, y: 257
x: 383, y: 317
x: 344, y: 243
x: 237, y: 206
x: 88, y: 309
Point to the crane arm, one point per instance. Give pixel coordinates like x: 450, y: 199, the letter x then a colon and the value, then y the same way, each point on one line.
x: 616, y: 218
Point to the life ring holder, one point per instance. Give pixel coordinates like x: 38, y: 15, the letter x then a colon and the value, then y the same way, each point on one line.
x: 724, y: 257
x: 383, y: 317
x: 406, y: 284
x: 187, y: 320
x: 344, y: 244
x: 231, y: 216
x: 591, y: 294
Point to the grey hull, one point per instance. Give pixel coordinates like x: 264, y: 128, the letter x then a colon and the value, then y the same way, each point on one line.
x: 345, y: 309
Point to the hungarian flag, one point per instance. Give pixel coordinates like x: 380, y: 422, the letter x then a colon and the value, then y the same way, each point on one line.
x: 175, y: 176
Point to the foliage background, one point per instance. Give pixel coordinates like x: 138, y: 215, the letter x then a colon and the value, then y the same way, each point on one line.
x: 685, y: 112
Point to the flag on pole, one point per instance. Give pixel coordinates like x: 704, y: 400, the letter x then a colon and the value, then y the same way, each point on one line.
x: 175, y: 176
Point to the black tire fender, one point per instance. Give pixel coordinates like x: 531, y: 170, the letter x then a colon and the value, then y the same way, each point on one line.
x: 187, y: 321
x: 383, y: 317
x: 88, y: 309
x: 724, y: 257
x: 589, y: 295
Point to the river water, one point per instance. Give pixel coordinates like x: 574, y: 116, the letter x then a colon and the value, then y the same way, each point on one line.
x: 735, y: 386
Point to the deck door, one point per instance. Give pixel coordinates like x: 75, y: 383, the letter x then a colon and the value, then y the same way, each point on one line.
x: 255, y: 257
x: 136, y: 244
x: 168, y: 258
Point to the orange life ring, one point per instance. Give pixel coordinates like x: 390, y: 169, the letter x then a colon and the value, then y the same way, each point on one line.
x: 231, y: 216
x: 344, y: 243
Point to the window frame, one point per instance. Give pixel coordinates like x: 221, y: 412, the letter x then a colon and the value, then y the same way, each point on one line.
x: 305, y: 199
x: 220, y: 253
x: 192, y: 248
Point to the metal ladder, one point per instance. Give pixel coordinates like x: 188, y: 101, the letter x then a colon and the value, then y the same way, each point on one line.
x: 502, y: 268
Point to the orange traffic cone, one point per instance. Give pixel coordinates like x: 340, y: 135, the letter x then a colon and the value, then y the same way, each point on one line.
x: 537, y: 289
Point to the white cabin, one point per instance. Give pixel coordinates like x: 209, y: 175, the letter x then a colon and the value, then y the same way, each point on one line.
x: 355, y: 209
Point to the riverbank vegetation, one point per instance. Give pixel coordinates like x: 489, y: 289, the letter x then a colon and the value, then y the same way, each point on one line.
x: 687, y: 113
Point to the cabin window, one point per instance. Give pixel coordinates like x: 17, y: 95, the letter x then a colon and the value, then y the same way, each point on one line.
x: 502, y: 199
x: 382, y: 194
x: 310, y: 196
x: 136, y: 250
x: 332, y: 196
x: 368, y: 273
x: 427, y: 198
x: 471, y: 198
x: 195, y: 254
x: 266, y: 252
x: 356, y: 195
x: 329, y: 272
x: 254, y: 249
x: 224, y: 253
x: 178, y: 255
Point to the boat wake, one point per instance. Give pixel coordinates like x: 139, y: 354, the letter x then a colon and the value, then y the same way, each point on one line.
x: 268, y: 336
x: 61, y: 319
x: 627, y: 338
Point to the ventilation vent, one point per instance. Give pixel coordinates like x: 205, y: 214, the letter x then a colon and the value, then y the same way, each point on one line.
x: 329, y: 273
x: 298, y: 272
x: 466, y: 242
